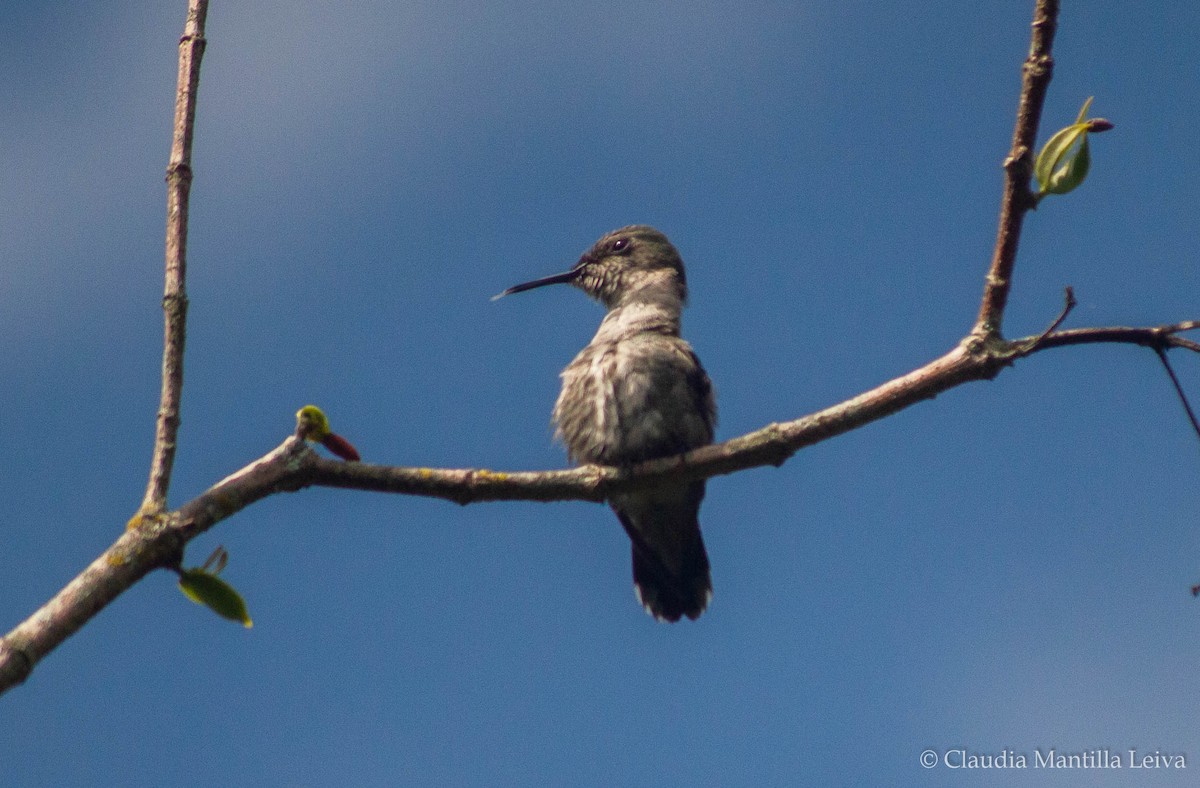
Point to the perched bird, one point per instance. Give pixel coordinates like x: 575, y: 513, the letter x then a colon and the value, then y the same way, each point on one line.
x: 638, y: 392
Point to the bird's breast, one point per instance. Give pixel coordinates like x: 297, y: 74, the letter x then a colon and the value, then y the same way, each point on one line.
x: 631, y: 400
x: 586, y: 410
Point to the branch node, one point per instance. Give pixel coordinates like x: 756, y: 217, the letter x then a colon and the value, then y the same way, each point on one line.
x: 1019, y: 161
x: 179, y: 170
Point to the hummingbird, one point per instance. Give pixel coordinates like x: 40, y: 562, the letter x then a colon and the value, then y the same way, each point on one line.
x: 638, y: 392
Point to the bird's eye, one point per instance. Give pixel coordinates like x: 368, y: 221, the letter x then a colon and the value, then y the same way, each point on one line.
x: 619, y: 245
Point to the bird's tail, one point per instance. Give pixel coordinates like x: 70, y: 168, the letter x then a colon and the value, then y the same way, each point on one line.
x: 670, y: 565
x: 668, y: 596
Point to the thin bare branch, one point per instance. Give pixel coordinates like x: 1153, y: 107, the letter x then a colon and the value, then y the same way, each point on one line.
x: 1159, y: 338
x: 1069, y: 303
x: 1187, y: 406
x: 1018, y: 168
x: 1156, y: 337
x: 179, y: 184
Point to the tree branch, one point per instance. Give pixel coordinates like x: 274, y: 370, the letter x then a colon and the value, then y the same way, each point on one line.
x: 156, y: 538
x: 157, y: 541
x: 179, y: 184
x: 1018, y: 168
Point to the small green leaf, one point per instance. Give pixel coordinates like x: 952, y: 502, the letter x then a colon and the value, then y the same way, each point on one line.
x: 1071, y: 174
x: 214, y: 593
x: 1084, y: 110
x: 1065, y: 159
x: 1056, y: 148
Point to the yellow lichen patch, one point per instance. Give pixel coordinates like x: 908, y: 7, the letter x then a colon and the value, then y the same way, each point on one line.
x: 116, y: 558
x: 144, y: 517
x: 425, y: 473
x: 491, y: 476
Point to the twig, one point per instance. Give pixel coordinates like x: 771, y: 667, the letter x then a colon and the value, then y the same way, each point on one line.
x: 1187, y: 406
x: 179, y: 183
x: 1158, y: 338
x: 1069, y: 304
x: 1165, y: 337
x: 1018, y: 168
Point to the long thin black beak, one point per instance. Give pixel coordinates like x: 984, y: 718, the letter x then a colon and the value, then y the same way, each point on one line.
x: 565, y: 276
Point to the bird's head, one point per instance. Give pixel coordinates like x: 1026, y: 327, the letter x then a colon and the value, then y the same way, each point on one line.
x: 632, y: 263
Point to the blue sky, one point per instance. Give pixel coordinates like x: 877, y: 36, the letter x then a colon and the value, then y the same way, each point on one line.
x: 1004, y: 568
